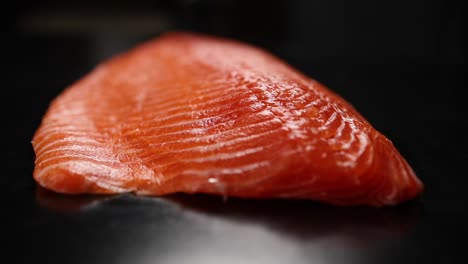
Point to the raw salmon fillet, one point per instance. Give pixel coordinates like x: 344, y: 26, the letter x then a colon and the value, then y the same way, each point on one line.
x: 198, y: 114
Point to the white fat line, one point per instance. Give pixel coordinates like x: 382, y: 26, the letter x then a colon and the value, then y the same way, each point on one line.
x: 225, y: 156
x: 39, y: 143
x: 61, y: 128
x: 194, y: 121
x: 226, y: 171
x: 196, y: 131
x: 353, y: 157
x: 68, y: 141
x: 164, y: 103
x: 79, y: 157
x: 182, y: 108
x: 75, y: 148
x: 218, y: 145
x: 72, y: 165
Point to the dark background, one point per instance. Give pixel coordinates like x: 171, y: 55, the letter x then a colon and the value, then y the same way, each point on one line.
x: 402, y: 64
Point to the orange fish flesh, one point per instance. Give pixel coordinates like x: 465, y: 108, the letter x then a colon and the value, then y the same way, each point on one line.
x: 198, y: 114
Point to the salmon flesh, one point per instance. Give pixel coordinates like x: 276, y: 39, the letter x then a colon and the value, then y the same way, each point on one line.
x: 198, y: 114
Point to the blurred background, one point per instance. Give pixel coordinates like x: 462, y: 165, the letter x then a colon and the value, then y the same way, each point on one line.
x: 402, y: 64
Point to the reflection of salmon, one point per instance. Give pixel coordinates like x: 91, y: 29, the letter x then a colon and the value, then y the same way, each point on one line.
x: 190, y: 113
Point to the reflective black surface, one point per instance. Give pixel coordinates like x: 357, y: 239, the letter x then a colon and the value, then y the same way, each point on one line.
x: 402, y: 64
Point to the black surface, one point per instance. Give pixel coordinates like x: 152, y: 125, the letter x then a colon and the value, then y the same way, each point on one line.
x: 402, y: 64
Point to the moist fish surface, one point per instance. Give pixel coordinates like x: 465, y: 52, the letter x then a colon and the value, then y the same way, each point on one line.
x: 198, y: 114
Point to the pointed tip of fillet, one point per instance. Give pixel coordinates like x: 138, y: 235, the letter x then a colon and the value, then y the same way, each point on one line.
x: 400, y: 182
x: 74, y: 178
x: 59, y: 179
